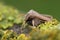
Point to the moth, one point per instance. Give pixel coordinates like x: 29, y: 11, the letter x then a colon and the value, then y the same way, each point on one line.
x: 34, y: 18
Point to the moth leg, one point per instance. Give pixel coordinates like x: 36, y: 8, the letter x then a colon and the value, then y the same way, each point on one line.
x: 33, y: 23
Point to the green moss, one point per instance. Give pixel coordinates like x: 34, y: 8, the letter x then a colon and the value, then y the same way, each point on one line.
x: 9, y: 15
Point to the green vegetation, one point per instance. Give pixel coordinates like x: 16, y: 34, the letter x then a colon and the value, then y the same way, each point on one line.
x: 46, y: 32
x: 10, y: 16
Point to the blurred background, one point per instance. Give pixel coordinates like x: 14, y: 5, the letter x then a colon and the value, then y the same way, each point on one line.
x: 51, y: 7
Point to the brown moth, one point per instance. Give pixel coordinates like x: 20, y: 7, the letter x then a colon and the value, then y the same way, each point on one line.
x: 34, y: 18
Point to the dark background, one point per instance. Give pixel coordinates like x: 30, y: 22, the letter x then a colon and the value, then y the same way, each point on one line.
x: 51, y: 7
